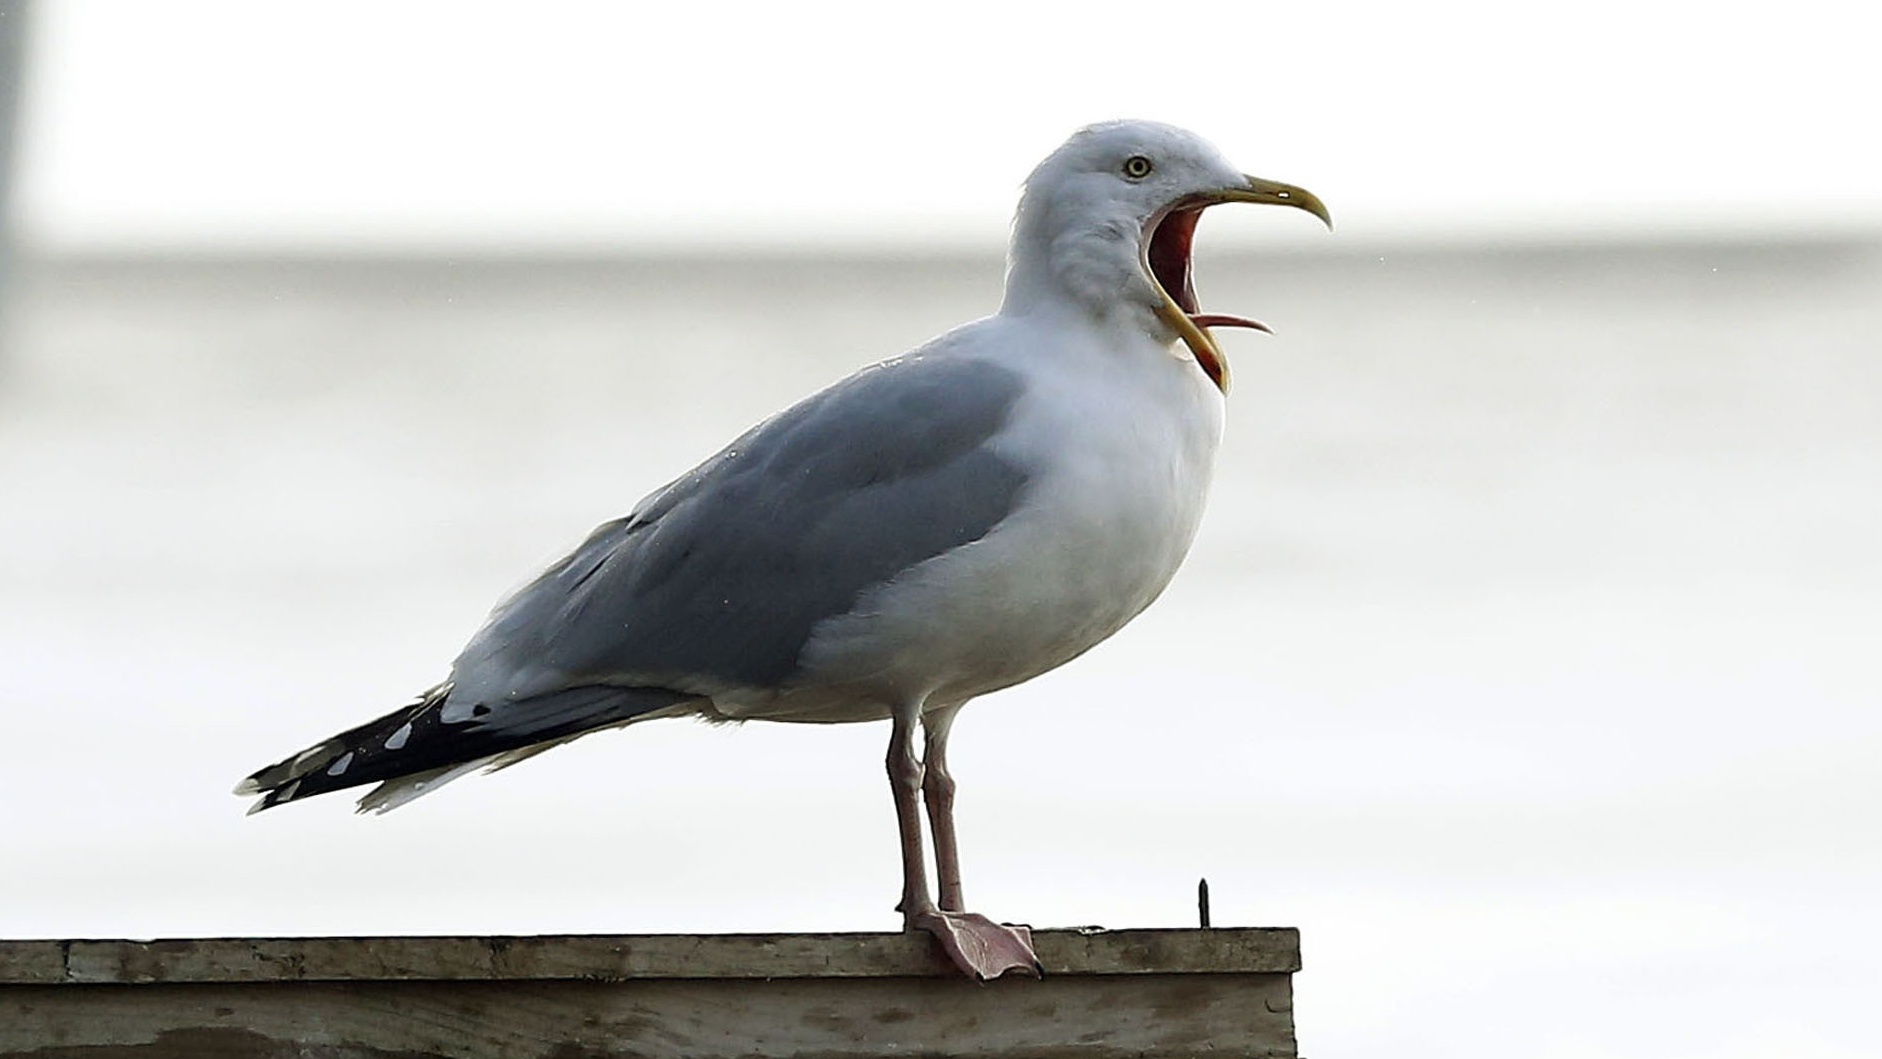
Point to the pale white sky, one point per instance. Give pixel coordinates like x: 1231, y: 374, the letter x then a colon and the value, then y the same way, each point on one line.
x: 359, y: 121
x: 1525, y: 659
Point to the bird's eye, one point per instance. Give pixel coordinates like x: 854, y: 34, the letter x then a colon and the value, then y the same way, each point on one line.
x: 1137, y: 167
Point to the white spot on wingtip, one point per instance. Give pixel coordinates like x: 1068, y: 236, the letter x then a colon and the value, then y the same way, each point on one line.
x: 397, y: 739
x: 305, y: 756
x: 341, y: 765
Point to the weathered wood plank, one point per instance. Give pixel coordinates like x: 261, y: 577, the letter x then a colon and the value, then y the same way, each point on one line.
x: 1145, y: 994
x: 1098, y: 1017
x: 32, y: 962
x: 645, y: 956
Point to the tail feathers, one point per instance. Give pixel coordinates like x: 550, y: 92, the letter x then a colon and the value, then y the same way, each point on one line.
x: 344, y: 760
x: 413, y: 751
x: 396, y: 792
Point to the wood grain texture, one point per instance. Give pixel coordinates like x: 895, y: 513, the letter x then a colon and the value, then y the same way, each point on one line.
x: 1109, y: 994
x: 623, y: 956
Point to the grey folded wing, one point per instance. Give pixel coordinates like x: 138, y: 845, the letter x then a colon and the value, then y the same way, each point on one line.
x: 719, y: 579
x: 716, y: 581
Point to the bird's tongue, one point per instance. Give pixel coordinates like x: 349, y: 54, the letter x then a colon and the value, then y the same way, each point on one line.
x: 1225, y: 320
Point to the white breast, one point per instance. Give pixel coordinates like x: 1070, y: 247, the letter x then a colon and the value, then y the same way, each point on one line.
x: 1118, y: 444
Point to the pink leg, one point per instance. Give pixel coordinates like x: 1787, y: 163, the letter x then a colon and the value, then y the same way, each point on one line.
x: 905, y: 775
x: 937, y: 788
x: 977, y: 945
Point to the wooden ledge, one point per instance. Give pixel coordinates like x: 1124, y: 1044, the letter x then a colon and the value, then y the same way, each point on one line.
x: 1106, y: 995
x: 624, y: 957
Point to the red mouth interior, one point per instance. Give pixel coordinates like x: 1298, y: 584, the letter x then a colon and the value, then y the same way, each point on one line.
x: 1169, y: 255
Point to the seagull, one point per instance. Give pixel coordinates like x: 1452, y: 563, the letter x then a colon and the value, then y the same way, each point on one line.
x: 948, y: 523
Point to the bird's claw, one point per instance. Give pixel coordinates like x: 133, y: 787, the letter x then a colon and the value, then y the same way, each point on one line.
x: 980, y: 947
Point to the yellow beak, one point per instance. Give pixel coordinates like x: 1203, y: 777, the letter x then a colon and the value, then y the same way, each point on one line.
x: 1193, y: 331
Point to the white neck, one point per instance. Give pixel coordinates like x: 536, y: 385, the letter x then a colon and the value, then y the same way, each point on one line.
x: 1089, y: 267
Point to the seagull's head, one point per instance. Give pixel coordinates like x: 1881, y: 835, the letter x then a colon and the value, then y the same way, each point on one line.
x: 1107, y: 221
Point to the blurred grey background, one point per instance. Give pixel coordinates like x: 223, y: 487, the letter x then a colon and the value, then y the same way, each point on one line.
x: 1527, y: 661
